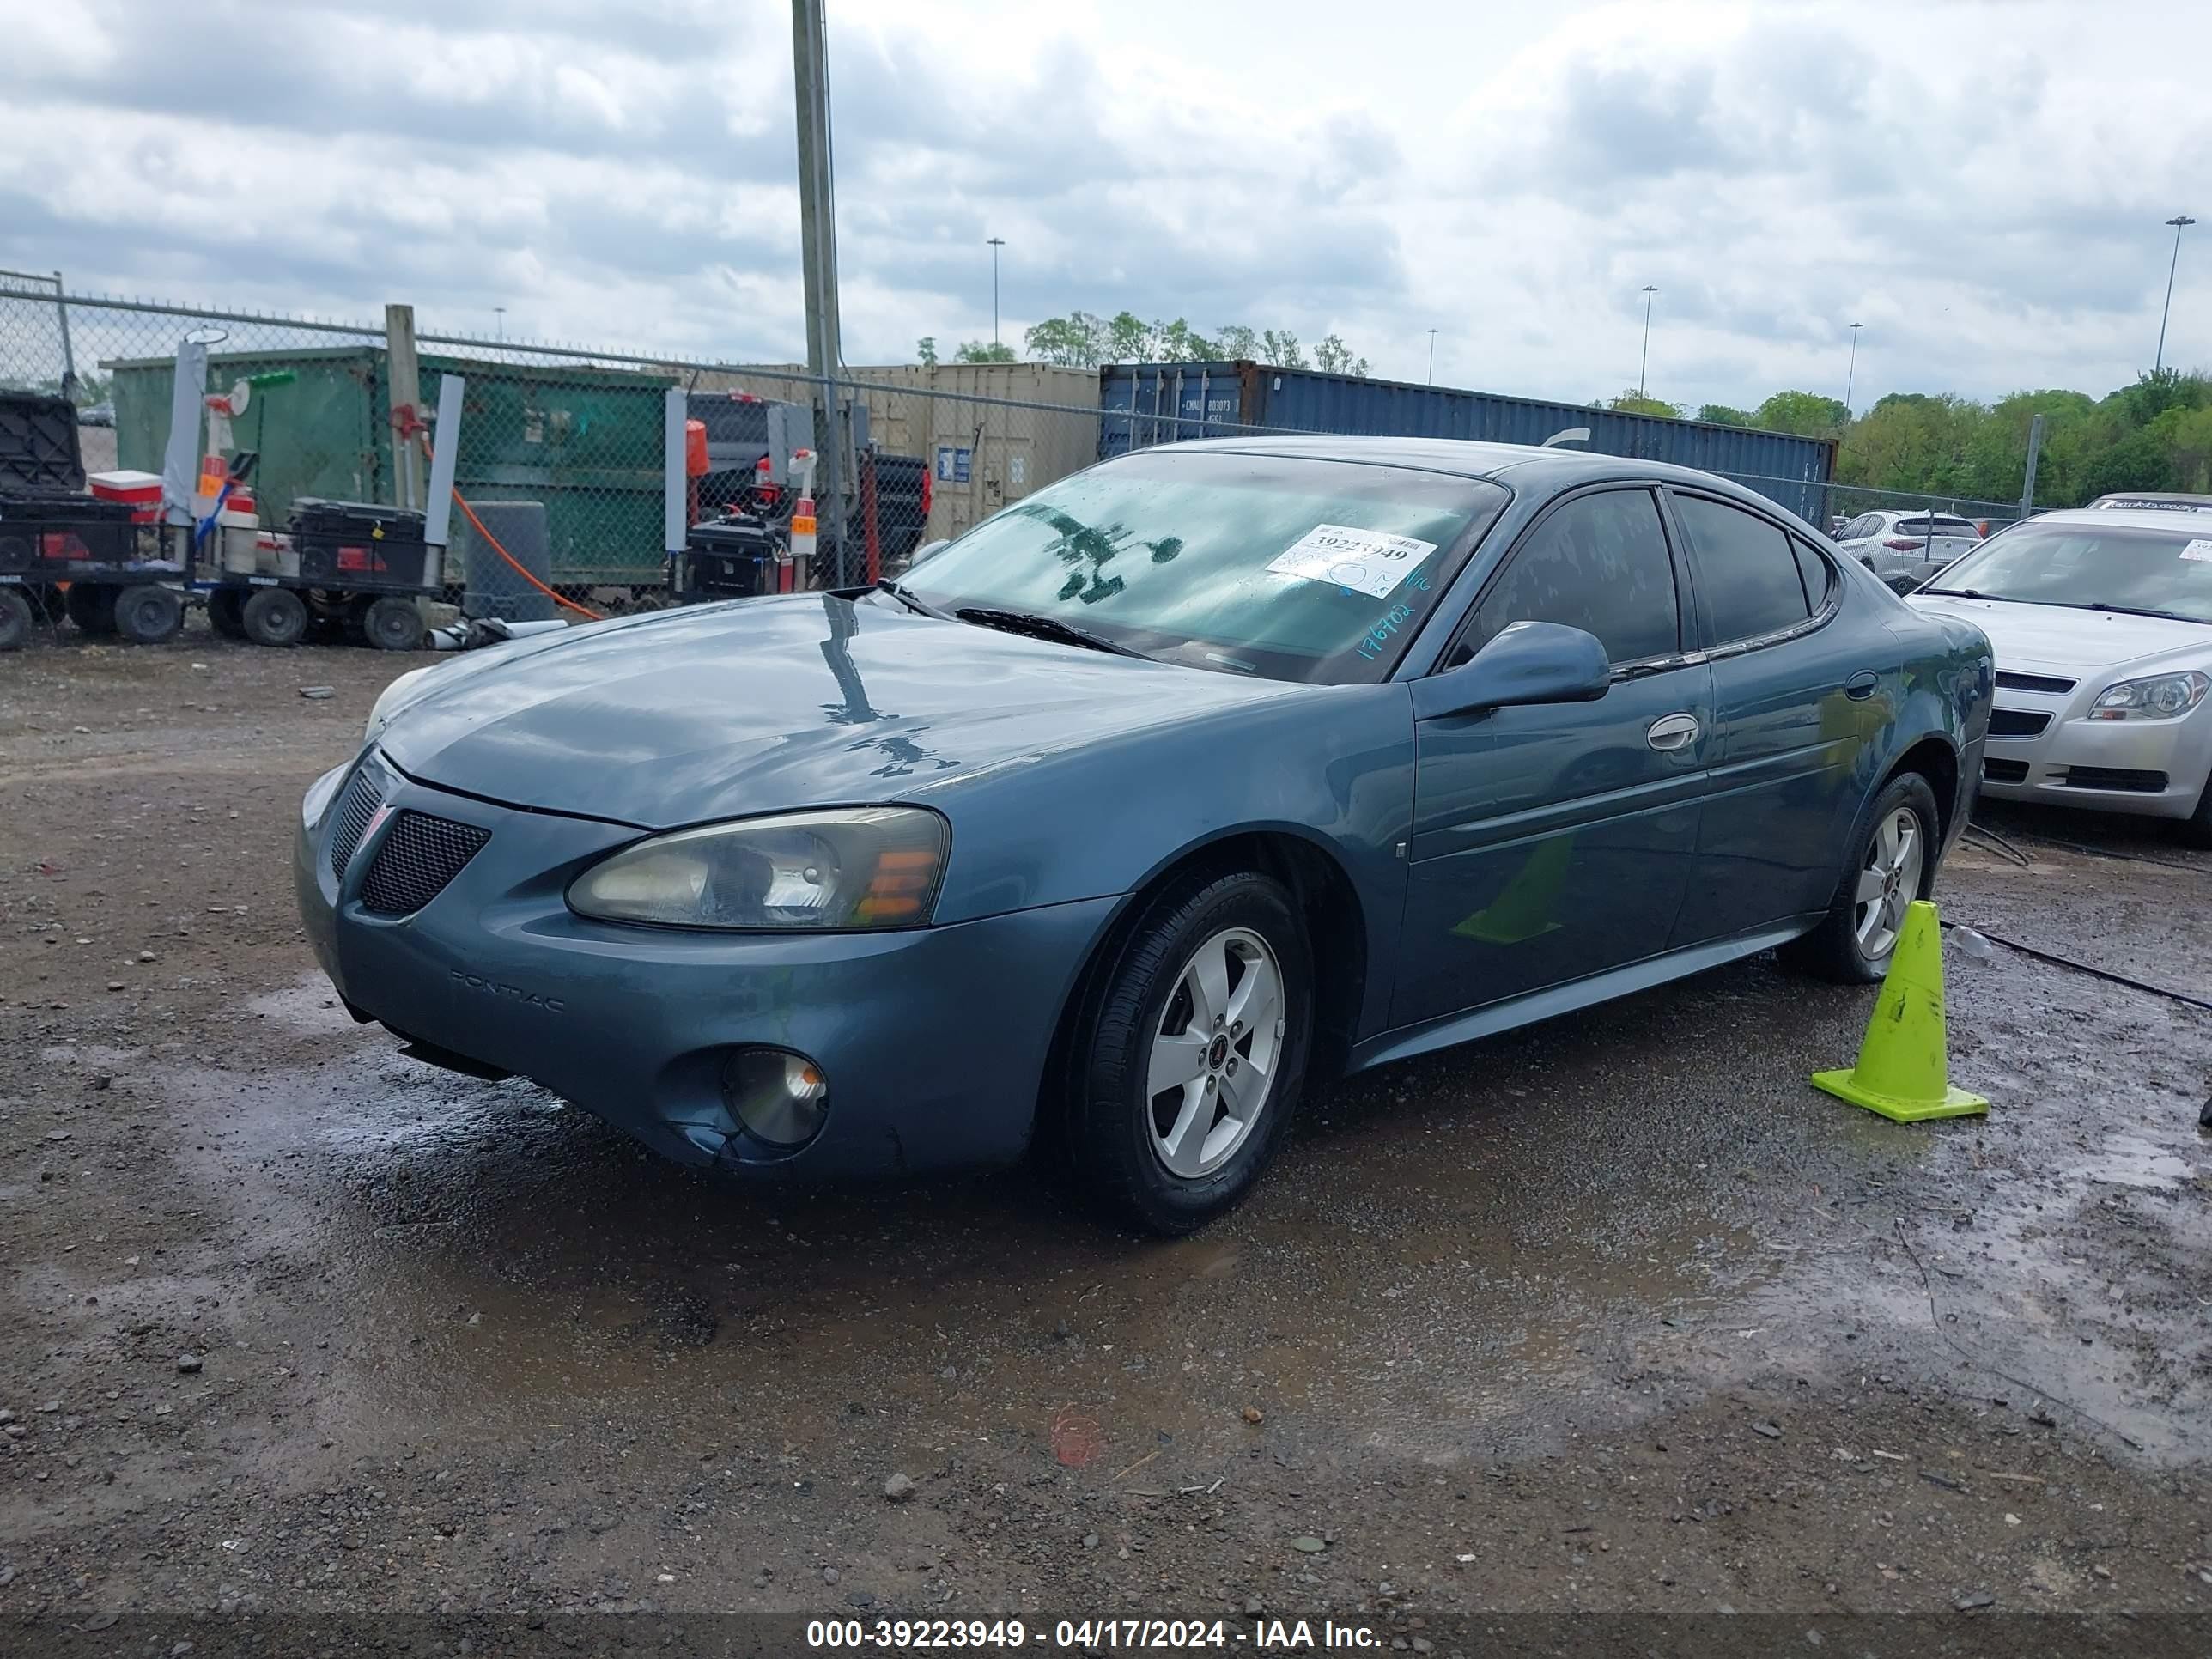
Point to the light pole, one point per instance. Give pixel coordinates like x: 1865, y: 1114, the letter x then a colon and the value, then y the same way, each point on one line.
x: 1645, y: 363
x: 499, y: 311
x: 1433, y: 356
x: 997, y: 242
x: 1850, y: 374
x: 2180, y: 221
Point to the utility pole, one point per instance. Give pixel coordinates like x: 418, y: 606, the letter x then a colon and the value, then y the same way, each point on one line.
x: 499, y: 324
x: 817, y: 244
x: 1852, y: 375
x: 2027, y: 490
x: 2180, y: 221
x: 997, y: 242
x: 1433, y: 356
x: 1645, y: 363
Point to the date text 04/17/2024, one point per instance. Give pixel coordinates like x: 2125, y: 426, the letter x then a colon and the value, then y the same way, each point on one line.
x: 1089, y: 1635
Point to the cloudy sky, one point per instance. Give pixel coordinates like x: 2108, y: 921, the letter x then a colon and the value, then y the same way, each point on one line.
x: 1981, y: 185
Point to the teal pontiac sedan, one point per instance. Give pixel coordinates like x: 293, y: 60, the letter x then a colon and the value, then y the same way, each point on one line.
x: 1180, y: 785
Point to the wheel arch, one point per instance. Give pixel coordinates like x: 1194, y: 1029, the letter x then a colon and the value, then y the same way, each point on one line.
x: 1325, y: 894
x: 1936, y: 757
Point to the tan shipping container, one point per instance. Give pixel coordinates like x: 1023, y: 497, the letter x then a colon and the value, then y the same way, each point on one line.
x: 1020, y: 425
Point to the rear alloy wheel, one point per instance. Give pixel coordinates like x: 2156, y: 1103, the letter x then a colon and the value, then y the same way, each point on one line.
x: 391, y: 623
x: 274, y: 616
x: 91, y: 606
x: 16, y: 620
x: 1893, y: 863
x: 1191, y: 1054
x: 150, y: 614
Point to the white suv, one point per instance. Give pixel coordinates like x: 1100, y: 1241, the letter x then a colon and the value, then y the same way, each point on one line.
x: 1905, y: 549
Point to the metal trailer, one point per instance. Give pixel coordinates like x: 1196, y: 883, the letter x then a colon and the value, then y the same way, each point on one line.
x: 345, y: 569
x: 1144, y: 404
x: 65, y: 553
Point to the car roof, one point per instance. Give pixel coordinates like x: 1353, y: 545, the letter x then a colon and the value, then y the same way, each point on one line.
x: 2178, y: 498
x: 1527, y: 463
x: 2119, y: 518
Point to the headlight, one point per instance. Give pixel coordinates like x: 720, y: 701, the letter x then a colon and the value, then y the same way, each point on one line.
x: 394, y: 697
x: 857, y: 868
x: 2162, y: 698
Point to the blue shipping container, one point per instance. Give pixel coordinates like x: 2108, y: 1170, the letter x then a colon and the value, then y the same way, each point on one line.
x: 1144, y: 404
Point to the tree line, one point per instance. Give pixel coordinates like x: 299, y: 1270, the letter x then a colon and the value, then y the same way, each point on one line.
x: 2154, y: 435
x: 1082, y: 340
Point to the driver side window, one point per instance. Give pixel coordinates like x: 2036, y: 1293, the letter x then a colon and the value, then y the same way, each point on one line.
x: 1597, y: 562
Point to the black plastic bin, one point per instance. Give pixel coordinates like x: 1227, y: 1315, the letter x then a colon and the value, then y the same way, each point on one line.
x: 726, y: 560
x: 39, y: 446
x: 359, y: 546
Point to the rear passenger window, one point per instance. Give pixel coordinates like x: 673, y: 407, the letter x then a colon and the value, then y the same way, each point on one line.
x: 1812, y: 569
x: 1598, y: 563
x: 1747, y: 580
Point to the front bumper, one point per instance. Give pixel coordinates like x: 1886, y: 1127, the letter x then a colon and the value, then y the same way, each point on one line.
x: 934, y: 1040
x: 2153, y: 768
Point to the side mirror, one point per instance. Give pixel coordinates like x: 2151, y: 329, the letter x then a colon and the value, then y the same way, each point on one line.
x: 1529, y: 662
x: 926, y: 550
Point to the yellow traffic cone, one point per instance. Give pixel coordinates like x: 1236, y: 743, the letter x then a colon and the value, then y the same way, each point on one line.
x: 1903, y: 1067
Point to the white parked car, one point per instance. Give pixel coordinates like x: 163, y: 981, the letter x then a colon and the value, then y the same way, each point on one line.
x: 1905, y: 549
x: 2101, y: 619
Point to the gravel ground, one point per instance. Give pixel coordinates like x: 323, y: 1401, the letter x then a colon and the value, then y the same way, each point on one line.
x: 1616, y: 1314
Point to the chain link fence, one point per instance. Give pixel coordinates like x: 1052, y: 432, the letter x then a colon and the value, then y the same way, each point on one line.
x: 577, y: 471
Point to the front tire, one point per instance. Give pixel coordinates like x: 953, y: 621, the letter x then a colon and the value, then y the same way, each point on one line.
x: 16, y: 618
x: 91, y: 606
x: 274, y: 617
x: 1893, y: 852
x: 2196, y: 829
x: 148, y: 614
x: 1190, y: 1053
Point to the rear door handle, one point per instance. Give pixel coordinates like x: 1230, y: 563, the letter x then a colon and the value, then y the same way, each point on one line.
x: 1672, y: 731
x: 1861, y: 685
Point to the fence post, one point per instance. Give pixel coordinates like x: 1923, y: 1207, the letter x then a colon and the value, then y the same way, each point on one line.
x: 68, y: 358
x: 405, y: 381
x: 2034, y: 451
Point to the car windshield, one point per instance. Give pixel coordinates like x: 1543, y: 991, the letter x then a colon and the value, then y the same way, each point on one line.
x: 1267, y: 565
x: 2159, y: 572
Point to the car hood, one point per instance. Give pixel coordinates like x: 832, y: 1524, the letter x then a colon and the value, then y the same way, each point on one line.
x: 764, y: 705
x: 2063, y: 636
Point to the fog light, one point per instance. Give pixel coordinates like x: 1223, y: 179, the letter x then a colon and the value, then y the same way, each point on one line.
x: 780, y: 1098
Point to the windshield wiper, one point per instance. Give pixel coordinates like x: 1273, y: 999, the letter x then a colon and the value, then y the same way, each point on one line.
x: 887, y: 585
x: 2143, y: 610
x: 1042, y: 628
x: 1967, y: 593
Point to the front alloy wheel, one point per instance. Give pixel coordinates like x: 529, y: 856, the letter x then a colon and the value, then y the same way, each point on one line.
x: 1217, y: 1052
x: 1187, y: 1051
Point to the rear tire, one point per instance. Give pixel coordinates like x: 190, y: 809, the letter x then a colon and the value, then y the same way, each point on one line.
x: 150, y: 614
x: 1189, y: 1053
x: 91, y: 606
x: 16, y: 620
x: 274, y: 617
x: 1888, y: 868
x: 391, y: 623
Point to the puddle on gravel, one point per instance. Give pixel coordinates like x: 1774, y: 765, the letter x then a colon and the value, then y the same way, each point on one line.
x: 1437, y: 1281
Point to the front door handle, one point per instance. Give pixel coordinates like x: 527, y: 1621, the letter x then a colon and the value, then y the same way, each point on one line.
x: 1861, y: 685
x: 1672, y: 731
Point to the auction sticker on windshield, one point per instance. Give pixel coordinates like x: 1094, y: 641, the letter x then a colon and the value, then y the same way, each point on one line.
x: 1366, y: 561
x: 2199, y: 550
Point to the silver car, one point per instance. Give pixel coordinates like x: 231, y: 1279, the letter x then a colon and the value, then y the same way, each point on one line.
x: 1905, y: 549
x: 2102, y: 622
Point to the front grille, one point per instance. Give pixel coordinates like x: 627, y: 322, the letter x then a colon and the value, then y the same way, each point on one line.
x: 2115, y: 777
x: 2042, y: 682
x: 2004, y: 771
x: 2017, y: 723
x: 418, y: 855
x: 350, y: 820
